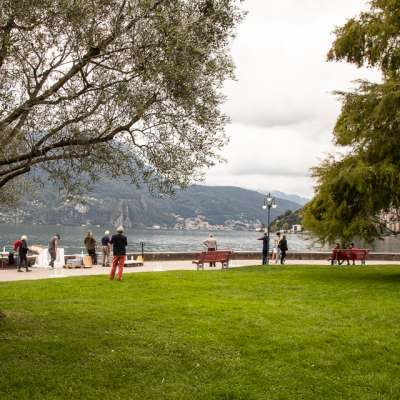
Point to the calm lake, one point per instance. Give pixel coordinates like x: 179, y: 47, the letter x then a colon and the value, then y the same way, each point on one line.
x: 161, y: 240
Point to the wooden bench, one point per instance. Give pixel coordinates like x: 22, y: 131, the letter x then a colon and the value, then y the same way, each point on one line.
x: 342, y: 255
x: 221, y: 256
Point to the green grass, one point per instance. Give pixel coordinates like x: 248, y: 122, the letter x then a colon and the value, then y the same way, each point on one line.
x: 251, y: 333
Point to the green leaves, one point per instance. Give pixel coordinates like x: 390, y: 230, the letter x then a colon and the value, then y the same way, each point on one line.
x: 129, y: 87
x: 353, y: 192
x: 372, y: 39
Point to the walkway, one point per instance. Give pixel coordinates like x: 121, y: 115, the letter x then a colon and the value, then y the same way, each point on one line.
x: 156, y: 266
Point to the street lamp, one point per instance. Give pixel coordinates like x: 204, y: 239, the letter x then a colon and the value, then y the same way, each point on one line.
x: 269, y: 202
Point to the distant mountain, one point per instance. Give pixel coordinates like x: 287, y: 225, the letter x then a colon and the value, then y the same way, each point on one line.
x: 291, y: 197
x: 115, y: 203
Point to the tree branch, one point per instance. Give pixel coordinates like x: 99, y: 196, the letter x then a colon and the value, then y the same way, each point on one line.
x: 14, y: 175
x: 5, y: 40
x: 91, y: 54
x: 102, y: 138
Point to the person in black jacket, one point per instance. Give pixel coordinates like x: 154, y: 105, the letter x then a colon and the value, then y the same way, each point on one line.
x: 265, y: 249
x: 23, y: 254
x: 119, y: 243
x: 90, y: 244
x: 283, y: 247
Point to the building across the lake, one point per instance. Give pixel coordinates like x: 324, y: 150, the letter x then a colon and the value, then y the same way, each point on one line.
x: 297, y: 228
x: 392, y: 220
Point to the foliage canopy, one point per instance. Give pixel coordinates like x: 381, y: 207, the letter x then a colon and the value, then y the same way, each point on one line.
x: 355, y: 192
x: 130, y: 87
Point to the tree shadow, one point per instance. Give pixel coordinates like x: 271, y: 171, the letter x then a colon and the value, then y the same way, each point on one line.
x: 359, y: 276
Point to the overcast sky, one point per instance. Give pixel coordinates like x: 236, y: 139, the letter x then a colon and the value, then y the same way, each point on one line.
x: 282, y: 107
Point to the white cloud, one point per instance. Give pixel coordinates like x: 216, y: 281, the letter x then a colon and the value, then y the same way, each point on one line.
x: 282, y: 106
x: 276, y: 158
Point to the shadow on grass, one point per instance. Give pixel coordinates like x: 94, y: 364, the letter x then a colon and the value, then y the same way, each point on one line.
x: 360, y: 276
x: 329, y: 274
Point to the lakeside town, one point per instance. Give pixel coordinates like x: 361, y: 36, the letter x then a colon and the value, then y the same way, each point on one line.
x: 199, y: 222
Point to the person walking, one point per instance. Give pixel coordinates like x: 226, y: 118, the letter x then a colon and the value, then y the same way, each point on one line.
x: 276, y: 252
x: 105, y: 249
x: 23, y: 254
x: 264, y: 239
x: 119, y: 243
x: 283, y: 247
x: 211, y: 245
x: 53, y: 245
x: 90, y: 244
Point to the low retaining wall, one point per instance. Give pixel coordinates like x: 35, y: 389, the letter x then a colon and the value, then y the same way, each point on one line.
x: 252, y: 255
x: 238, y: 255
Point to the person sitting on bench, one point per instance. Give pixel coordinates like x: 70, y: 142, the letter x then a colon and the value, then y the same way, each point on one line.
x: 352, y: 254
x: 335, y: 254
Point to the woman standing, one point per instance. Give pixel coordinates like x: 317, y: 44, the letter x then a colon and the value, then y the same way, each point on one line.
x: 276, y: 252
x: 90, y: 244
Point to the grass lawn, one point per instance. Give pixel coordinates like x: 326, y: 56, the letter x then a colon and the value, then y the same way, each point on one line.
x: 251, y: 333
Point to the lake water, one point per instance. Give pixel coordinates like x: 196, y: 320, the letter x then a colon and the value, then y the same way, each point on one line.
x: 161, y: 240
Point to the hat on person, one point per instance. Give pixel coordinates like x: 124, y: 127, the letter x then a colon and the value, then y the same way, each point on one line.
x: 24, y: 237
x: 107, y: 232
x: 120, y: 229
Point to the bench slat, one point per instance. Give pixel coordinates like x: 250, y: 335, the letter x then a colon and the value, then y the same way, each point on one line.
x: 221, y: 256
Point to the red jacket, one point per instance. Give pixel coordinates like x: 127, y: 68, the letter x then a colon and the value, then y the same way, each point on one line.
x: 17, y: 244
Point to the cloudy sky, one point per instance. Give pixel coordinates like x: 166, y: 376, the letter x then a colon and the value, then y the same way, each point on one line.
x: 282, y: 107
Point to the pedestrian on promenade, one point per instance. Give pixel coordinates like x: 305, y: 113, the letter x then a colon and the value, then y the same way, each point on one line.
x: 211, y: 245
x: 90, y: 244
x: 23, y: 254
x: 53, y: 246
x: 264, y: 239
x: 119, y: 243
x: 106, y: 249
x: 276, y: 253
x: 283, y: 247
x: 15, y: 247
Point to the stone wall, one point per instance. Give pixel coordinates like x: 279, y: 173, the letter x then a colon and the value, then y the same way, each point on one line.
x: 249, y: 255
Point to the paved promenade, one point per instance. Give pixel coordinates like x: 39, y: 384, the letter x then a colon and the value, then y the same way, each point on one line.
x: 7, y: 275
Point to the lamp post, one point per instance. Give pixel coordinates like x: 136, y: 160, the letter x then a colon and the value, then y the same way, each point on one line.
x: 269, y: 202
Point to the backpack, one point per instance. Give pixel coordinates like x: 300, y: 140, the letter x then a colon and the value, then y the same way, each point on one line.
x: 17, y: 244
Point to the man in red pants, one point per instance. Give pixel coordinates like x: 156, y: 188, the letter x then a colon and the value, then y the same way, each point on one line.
x: 119, y: 243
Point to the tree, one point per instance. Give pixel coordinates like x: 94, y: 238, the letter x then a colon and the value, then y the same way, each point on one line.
x: 127, y: 87
x: 289, y: 218
x: 355, y: 191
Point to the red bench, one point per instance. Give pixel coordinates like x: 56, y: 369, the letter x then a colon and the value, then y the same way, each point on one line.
x: 342, y: 255
x: 221, y: 256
